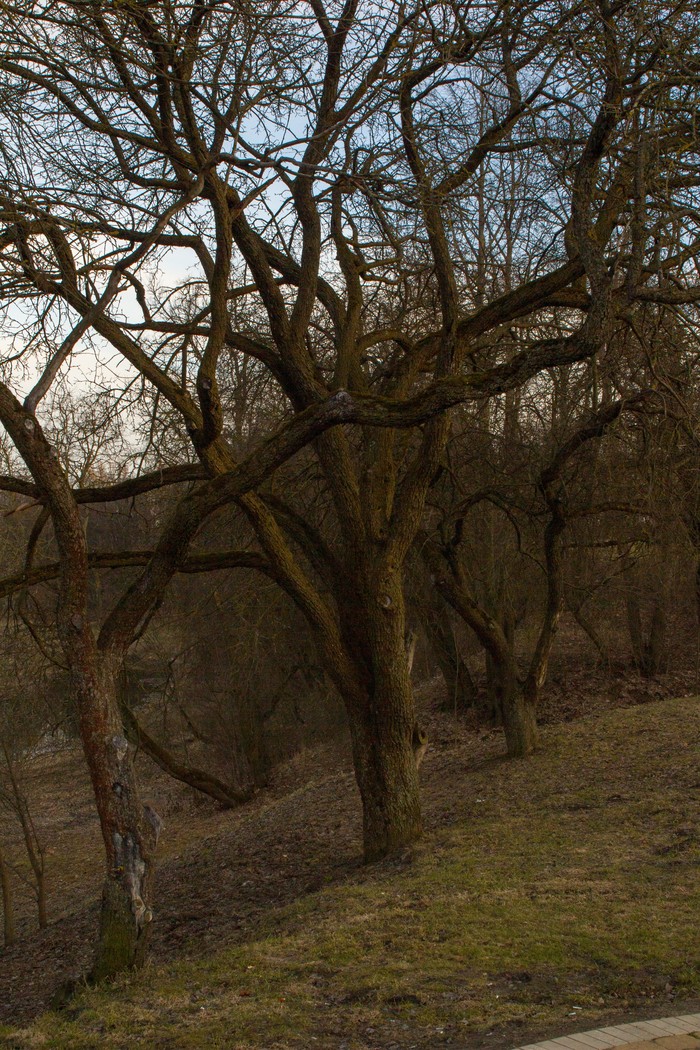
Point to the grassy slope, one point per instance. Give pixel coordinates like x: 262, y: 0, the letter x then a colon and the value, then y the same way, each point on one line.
x: 554, y: 892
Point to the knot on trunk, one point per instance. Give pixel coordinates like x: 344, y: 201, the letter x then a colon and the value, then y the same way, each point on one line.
x: 121, y: 747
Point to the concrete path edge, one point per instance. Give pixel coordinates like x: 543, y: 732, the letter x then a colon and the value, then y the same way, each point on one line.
x: 666, y: 1033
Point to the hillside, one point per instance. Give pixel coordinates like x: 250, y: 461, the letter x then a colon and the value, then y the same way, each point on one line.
x: 548, y: 895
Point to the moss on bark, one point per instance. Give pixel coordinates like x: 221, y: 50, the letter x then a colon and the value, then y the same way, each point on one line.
x: 122, y: 941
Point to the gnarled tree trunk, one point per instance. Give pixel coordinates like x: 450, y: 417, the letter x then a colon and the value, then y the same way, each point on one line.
x: 129, y: 831
x: 380, y: 708
x: 128, y: 836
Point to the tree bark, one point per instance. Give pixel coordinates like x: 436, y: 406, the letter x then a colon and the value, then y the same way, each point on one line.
x: 385, y: 768
x: 648, y: 650
x: 656, y: 651
x: 520, y: 720
x: 491, y: 706
x: 461, y: 691
x: 129, y: 832
x: 8, y: 915
x: 381, y: 711
x: 128, y: 836
x: 591, y: 632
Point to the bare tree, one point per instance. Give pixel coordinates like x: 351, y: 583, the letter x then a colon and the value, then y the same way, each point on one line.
x: 14, y: 798
x: 95, y: 662
x: 323, y: 170
x: 515, y: 690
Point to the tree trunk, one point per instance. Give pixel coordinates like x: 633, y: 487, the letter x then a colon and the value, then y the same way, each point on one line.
x: 381, y: 714
x: 656, y: 654
x: 649, y: 652
x: 129, y: 837
x: 499, y: 666
x: 591, y: 632
x: 8, y: 915
x: 513, y: 705
x: 490, y: 708
x: 634, y: 626
x: 385, y: 767
x: 130, y: 833
x: 516, y: 706
x: 519, y: 708
x: 461, y: 691
x: 42, y: 912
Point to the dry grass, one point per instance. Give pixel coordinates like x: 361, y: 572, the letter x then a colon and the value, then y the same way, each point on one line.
x: 548, y: 894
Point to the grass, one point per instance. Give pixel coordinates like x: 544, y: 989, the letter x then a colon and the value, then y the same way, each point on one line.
x: 563, y: 890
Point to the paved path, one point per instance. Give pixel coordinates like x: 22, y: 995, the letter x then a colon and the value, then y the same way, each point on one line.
x: 668, y: 1033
